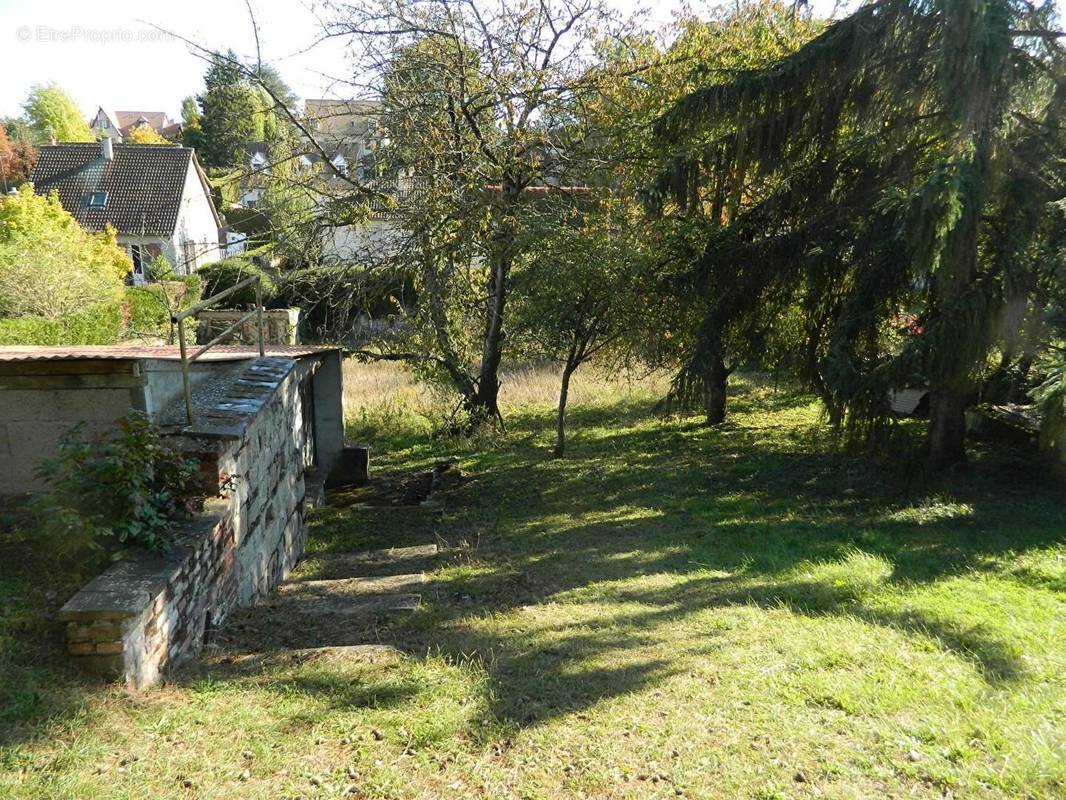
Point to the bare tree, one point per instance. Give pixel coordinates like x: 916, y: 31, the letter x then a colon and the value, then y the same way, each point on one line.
x: 473, y: 96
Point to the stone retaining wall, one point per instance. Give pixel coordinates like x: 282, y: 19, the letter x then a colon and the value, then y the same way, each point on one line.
x: 279, y: 326
x: 149, y: 613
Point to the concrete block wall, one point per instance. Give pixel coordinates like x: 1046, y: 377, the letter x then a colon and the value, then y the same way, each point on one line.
x: 39, y: 402
x: 150, y: 613
x: 42, y: 400
x: 279, y: 326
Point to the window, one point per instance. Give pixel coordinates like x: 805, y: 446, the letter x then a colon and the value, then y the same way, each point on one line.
x: 138, y: 257
x: 188, y: 258
x: 96, y: 199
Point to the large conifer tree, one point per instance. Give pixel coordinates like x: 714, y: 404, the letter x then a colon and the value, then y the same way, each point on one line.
x: 880, y: 154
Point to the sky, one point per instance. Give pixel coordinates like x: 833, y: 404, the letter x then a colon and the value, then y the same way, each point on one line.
x: 107, y: 52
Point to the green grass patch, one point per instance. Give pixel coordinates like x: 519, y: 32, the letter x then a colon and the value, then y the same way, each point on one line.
x: 747, y: 612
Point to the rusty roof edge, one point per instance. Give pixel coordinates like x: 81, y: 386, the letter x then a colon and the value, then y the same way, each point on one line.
x: 19, y: 353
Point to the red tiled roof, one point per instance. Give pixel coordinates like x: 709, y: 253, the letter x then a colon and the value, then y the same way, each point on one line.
x: 127, y: 119
x: 131, y: 352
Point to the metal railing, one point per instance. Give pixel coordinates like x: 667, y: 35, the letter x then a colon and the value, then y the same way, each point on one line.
x: 179, y: 320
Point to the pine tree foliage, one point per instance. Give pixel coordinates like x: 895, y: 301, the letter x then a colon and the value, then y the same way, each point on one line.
x: 857, y: 178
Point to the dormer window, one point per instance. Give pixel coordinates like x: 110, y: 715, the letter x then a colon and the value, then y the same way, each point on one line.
x: 340, y: 162
x: 96, y: 200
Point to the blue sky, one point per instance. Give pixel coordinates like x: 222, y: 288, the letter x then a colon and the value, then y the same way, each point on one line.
x: 105, y: 52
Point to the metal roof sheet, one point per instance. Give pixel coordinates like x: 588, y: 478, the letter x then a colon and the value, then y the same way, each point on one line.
x: 131, y: 352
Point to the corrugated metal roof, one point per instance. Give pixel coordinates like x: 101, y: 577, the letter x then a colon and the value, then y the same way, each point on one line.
x: 131, y: 352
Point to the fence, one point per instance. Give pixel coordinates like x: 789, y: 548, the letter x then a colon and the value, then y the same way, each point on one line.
x: 179, y: 320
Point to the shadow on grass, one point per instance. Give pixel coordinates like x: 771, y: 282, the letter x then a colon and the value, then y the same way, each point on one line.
x: 736, y: 511
x: 37, y: 682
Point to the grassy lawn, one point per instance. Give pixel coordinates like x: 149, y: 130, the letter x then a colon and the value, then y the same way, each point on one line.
x: 669, y: 611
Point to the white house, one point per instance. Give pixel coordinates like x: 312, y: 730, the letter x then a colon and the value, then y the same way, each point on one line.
x: 155, y: 196
x: 116, y: 125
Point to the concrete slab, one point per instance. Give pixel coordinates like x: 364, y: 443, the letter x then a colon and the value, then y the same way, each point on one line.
x: 329, y: 566
x: 323, y: 606
x: 349, y: 587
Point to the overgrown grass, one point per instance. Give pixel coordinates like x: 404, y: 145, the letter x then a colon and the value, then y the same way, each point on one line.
x: 668, y: 611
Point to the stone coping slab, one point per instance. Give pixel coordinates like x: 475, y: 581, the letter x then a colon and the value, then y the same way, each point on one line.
x: 228, y: 413
x: 126, y: 587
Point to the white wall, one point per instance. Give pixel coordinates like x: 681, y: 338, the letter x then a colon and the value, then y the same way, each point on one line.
x: 196, y: 227
x: 363, y: 243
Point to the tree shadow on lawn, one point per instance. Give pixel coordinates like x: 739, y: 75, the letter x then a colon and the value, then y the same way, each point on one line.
x: 715, y: 501
x: 365, y: 681
x: 37, y: 682
x: 736, y: 514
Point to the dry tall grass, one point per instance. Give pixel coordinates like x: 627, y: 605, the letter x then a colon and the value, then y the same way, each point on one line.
x: 385, y: 398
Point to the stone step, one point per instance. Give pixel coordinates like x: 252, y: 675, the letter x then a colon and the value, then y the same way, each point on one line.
x: 329, y: 566
x: 366, y: 653
x: 221, y: 658
x: 322, y: 607
x: 353, y: 587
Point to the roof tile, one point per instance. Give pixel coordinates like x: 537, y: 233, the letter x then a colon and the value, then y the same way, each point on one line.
x: 144, y: 184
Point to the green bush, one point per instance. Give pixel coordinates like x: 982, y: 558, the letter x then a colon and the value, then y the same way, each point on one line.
x: 331, y: 298
x: 221, y: 275
x: 149, y: 306
x: 116, y: 490
x: 102, y: 324
x: 148, y: 312
x: 252, y: 222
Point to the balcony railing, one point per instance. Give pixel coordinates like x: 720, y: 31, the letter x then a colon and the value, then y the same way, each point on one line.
x: 179, y: 319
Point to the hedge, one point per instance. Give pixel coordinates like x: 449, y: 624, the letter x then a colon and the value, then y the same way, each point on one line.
x: 221, y: 275
x: 332, y: 299
x: 148, y: 310
x: 99, y: 325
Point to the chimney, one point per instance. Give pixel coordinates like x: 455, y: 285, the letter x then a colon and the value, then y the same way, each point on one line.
x: 107, y: 149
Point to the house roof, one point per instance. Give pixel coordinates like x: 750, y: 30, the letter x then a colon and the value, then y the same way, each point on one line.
x: 172, y: 131
x: 144, y: 184
x: 157, y: 119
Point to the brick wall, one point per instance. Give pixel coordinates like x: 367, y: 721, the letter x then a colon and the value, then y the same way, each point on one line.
x: 149, y: 613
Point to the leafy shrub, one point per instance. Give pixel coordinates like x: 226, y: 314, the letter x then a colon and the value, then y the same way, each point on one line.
x: 50, y: 266
x: 101, y: 324
x: 252, y: 222
x: 333, y: 298
x: 1052, y: 398
x: 221, y: 275
x: 149, y: 306
x: 117, y: 490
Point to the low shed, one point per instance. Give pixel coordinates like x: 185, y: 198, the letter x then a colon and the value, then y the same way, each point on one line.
x: 45, y: 391
x: 266, y: 431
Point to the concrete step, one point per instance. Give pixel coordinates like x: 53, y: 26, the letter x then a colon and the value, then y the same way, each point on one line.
x: 354, y: 587
x: 324, y: 606
x: 366, y: 653
x: 217, y: 657
x: 330, y: 566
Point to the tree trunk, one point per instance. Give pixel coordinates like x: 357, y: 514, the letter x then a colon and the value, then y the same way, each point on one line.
x: 560, y: 418
x: 486, y: 402
x: 946, y: 439
x: 715, y: 390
